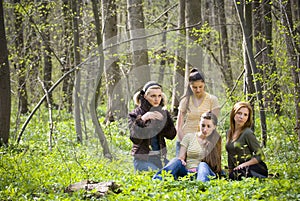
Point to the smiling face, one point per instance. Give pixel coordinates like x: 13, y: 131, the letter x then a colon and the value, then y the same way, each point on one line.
x: 154, y: 96
x: 206, y: 127
x: 241, y: 117
x: 198, y: 88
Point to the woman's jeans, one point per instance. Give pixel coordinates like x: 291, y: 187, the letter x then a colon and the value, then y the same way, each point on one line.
x: 176, y: 168
x: 153, y: 163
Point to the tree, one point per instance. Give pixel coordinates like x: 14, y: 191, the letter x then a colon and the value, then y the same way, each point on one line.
x: 179, y: 61
x: 115, y: 100
x: 224, y: 43
x: 5, y: 98
x: 192, y: 17
x: 96, y: 92
x: 68, y: 56
x: 77, y: 113
x: 240, y: 7
x: 47, y: 52
x: 20, y: 66
x: 139, y: 46
x: 292, y: 38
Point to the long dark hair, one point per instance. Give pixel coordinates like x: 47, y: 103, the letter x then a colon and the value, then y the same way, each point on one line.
x: 194, y: 76
x: 233, y: 112
x: 214, y: 146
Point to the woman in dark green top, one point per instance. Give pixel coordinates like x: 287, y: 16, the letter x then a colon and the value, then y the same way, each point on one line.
x: 244, y: 152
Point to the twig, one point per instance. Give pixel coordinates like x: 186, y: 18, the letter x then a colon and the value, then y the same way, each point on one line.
x: 50, y: 113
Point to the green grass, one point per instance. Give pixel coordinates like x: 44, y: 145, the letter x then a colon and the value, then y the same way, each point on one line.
x: 31, y: 171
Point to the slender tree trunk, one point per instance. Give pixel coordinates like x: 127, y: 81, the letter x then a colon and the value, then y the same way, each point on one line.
x: 77, y: 114
x: 140, y: 63
x: 93, y: 104
x: 115, y: 96
x: 46, y: 48
x: 192, y: 16
x: 293, y: 50
x: 240, y: 7
x: 163, y: 51
x: 20, y: 66
x: 225, y: 54
x: 249, y: 88
x: 5, y: 97
x: 68, y: 57
x: 272, y: 96
x: 179, y: 62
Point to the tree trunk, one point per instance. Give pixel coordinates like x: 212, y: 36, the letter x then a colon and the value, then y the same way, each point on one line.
x: 96, y: 92
x: 293, y: 50
x: 116, y: 107
x: 163, y: 51
x: 249, y: 88
x: 225, y: 54
x: 68, y: 57
x: 46, y: 48
x: 141, y: 70
x: 179, y: 62
x: 20, y: 66
x: 240, y: 7
x: 194, y: 58
x: 5, y: 97
x: 77, y: 114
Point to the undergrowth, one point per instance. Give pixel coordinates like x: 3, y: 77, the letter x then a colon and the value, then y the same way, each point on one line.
x: 33, y: 171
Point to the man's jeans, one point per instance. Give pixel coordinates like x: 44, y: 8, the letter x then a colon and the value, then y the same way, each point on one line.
x: 153, y: 163
x: 177, y: 148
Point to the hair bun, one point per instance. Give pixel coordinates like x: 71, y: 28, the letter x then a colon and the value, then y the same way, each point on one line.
x: 194, y: 70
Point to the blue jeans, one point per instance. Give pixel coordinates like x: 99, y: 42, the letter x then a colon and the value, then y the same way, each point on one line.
x: 175, y: 167
x: 153, y: 163
x: 177, y: 148
x: 204, y: 172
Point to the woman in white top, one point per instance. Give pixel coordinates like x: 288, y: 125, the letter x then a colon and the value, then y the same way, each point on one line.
x: 200, y: 152
x: 193, y: 104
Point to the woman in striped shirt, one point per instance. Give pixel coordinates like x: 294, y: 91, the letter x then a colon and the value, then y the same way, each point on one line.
x: 200, y: 152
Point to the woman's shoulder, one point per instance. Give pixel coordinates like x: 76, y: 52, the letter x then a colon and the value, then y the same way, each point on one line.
x: 190, y: 135
x: 247, y: 132
x: 211, y: 96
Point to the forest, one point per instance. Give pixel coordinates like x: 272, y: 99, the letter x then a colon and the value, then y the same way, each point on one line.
x: 69, y: 70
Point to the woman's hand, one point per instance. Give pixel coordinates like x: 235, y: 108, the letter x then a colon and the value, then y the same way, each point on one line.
x: 252, y: 161
x: 241, y: 166
x: 182, y: 162
x: 152, y: 115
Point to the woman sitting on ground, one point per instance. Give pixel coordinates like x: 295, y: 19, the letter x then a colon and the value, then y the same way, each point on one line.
x: 199, y: 153
x: 245, y: 156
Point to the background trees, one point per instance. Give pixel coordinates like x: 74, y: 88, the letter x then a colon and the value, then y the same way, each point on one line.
x: 143, y: 40
x: 103, y: 52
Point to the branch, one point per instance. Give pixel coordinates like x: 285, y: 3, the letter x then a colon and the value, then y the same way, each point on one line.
x: 166, y: 11
x: 41, y: 101
x: 151, y: 35
x: 50, y: 113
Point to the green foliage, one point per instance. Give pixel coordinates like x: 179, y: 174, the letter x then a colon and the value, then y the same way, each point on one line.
x: 31, y: 171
